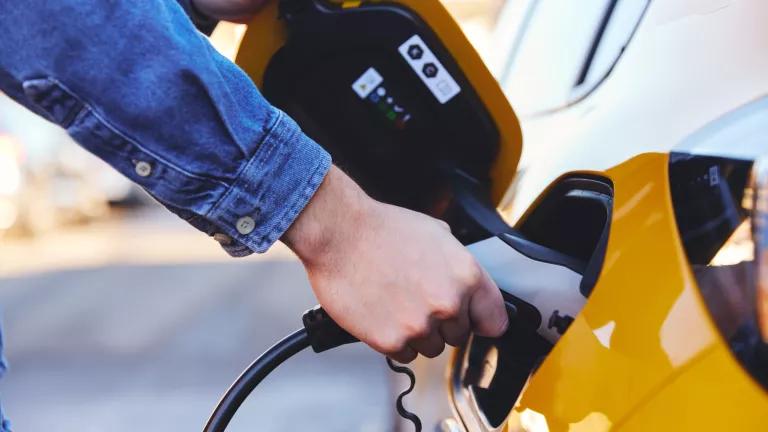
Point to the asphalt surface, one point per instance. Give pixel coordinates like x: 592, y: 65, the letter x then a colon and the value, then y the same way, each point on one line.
x: 117, y: 346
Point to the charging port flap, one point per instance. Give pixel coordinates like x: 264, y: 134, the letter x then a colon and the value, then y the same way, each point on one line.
x: 393, y: 90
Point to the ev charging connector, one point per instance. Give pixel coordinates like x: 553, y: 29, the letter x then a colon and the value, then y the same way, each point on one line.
x: 540, y: 288
x: 547, y: 284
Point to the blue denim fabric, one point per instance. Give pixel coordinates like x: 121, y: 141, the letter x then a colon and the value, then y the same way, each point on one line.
x: 139, y: 86
x: 136, y: 84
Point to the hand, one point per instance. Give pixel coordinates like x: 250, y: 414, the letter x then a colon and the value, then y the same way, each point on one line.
x: 240, y: 11
x: 395, y: 279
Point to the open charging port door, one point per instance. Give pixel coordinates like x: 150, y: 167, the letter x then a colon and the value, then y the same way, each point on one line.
x: 394, y: 91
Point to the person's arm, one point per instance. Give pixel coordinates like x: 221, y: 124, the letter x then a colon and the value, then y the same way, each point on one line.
x: 394, y: 278
x: 136, y: 84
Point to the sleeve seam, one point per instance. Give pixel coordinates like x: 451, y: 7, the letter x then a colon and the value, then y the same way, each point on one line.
x: 88, y: 107
x: 272, y: 134
x: 310, y: 188
x: 173, y: 166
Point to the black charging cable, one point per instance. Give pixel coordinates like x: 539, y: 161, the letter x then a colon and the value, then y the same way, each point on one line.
x: 321, y: 333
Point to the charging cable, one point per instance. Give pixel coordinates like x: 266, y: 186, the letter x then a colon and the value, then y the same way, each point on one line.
x: 321, y: 333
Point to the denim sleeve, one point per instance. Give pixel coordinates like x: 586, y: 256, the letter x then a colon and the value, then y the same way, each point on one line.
x: 136, y: 84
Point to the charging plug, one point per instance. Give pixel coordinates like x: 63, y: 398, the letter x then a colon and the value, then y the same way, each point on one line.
x: 323, y: 332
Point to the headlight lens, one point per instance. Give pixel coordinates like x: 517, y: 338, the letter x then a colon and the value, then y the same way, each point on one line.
x: 760, y: 236
x: 721, y: 209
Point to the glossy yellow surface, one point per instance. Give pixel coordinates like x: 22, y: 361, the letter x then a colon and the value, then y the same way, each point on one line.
x: 713, y: 394
x: 643, y: 354
x: 266, y: 34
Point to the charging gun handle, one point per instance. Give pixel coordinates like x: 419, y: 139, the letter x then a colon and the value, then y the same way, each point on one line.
x: 323, y: 332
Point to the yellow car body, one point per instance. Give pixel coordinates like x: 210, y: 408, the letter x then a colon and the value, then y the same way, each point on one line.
x: 644, y: 353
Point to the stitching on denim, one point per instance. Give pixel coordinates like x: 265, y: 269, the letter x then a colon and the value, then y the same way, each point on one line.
x: 153, y: 155
x: 80, y: 116
x: 310, y: 187
x: 70, y: 118
x: 275, y: 134
x: 270, y: 130
x: 132, y: 141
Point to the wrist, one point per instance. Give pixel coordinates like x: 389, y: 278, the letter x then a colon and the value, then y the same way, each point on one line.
x: 331, y: 219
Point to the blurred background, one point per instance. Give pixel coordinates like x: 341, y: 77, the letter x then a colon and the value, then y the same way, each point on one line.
x: 119, y: 317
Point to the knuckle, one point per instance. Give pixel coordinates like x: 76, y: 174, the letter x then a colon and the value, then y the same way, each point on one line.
x: 441, y: 223
x: 415, y: 329
x: 471, y: 273
x: 446, y: 308
x: 388, y: 345
x: 493, y: 327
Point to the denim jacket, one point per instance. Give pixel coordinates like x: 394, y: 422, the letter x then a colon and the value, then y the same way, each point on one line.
x: 137, y: 84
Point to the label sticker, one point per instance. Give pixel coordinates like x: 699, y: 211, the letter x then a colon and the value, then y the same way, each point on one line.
x: 367, y: 83
x: 370, y: 88
x: 429, y: 69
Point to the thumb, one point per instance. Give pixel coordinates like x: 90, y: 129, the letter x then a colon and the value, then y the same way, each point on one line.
x: 486, y: 309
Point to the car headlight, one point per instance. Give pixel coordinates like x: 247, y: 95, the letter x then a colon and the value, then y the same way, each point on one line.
x: 721, y: 209
x: 760, y: 240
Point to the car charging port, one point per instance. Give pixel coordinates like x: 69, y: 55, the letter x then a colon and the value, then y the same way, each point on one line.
x: 547, y: 268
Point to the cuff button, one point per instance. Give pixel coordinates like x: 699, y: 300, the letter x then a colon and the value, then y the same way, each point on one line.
x: 245, y: 225
x: 143, y: 169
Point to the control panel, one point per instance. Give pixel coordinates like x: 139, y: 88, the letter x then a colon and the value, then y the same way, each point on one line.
x: 376, y: 88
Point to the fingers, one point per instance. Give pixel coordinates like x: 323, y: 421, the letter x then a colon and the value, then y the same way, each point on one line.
x: 404, y: 356
x: 444, y: 225
x: 486, y: 309
x: 455, y: 331
x: 430, y: 346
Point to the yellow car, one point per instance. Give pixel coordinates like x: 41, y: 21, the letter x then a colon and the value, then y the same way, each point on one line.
x: 641, y: 133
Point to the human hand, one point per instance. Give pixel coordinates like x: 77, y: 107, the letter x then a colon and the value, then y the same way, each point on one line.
x: 240, y: 11
x: 395, y: 279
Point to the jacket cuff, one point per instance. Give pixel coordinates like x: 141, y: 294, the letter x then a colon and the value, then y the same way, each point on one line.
x: 271, y: 190
x: 203, y: 22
